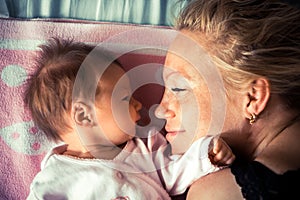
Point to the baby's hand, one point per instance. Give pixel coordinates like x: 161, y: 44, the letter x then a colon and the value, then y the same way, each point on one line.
x: 221, y: 153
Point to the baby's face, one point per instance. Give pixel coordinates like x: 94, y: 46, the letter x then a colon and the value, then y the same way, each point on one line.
x: 117, y: 112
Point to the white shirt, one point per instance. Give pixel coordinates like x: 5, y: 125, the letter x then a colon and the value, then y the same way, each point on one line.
x: 140, y: 171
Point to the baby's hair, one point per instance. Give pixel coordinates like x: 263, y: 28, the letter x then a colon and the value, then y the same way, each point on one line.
x: 49, y: 89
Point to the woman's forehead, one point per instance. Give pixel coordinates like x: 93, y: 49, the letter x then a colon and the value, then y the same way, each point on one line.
x: 176, y: 65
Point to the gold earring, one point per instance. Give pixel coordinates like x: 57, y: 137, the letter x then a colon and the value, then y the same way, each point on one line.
x: 252, y: 118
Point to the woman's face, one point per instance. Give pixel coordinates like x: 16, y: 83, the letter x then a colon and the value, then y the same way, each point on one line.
x: 194, y: 102
x: 185, y: 105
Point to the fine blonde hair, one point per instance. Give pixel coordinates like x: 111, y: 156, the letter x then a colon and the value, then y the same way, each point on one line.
x: 249, y: 39
x: 65, y: 70
x: 49, y: 89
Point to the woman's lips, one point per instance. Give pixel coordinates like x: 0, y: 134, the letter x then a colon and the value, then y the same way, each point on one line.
x: 171, y: 135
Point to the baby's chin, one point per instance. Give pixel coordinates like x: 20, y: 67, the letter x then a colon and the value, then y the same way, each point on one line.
x: 131, y: 135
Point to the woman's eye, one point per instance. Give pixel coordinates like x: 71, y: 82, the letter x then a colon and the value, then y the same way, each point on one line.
x: 178, y: 89
x: 126, y: 98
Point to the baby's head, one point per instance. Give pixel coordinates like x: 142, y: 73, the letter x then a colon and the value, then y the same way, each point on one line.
x: 49, y: 94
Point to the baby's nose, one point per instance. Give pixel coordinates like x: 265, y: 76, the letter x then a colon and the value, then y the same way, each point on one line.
x: 137, y: 105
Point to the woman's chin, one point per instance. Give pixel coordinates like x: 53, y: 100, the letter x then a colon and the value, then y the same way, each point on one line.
x: 170, y: 137
x: 179, y: 142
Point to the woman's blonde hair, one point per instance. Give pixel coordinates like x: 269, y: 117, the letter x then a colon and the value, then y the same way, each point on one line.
x: 249, y: 39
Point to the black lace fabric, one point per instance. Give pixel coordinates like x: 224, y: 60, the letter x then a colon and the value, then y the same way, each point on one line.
x: 259, y: 182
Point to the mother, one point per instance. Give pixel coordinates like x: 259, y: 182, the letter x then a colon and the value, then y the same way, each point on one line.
x: 255, y: 45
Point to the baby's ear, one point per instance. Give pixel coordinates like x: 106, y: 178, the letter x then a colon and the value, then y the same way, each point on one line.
x: 82, y: 114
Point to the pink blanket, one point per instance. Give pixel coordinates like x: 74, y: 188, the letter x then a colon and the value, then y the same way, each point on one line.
x: 23, y: 145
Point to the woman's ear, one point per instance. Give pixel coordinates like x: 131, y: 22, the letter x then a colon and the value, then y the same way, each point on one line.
x: 258, y: 97
x: 82, y: 114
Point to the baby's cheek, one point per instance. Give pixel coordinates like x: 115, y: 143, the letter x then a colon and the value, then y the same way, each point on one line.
x: 133, y: 115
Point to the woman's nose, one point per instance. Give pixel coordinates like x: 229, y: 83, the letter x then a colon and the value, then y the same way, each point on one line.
x: 163, y: 111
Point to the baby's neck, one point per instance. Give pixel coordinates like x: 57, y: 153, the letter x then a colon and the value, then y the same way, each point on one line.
x: 97, y: 151
x: 78, y: 154
x: 107, y: 152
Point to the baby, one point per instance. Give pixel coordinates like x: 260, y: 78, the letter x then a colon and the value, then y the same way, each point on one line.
x: 101, y: 157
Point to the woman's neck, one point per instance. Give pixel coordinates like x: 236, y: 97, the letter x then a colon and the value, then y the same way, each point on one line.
x: 280, y: 151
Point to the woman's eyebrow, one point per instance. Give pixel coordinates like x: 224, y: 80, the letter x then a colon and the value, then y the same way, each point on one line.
x: 172, y: 73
